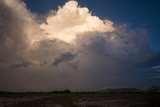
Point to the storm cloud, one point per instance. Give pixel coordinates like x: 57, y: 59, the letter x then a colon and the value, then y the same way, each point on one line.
x: 71, y: 49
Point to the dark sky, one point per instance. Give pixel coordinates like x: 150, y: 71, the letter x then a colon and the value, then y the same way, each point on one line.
x: 137, y: 13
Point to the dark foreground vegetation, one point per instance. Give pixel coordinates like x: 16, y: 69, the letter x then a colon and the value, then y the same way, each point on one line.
x: 104, y: 98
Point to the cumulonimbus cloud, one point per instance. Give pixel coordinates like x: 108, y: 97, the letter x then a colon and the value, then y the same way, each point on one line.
x: 71, y: 20
x: 71, y: 49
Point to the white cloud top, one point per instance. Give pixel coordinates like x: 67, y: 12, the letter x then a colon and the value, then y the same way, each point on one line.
x: 71, y: 20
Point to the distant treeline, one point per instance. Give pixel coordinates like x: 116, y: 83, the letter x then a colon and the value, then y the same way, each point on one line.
x: 116, y: 90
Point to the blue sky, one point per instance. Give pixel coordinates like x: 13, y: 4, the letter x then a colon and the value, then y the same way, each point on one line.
x: 138, y: 13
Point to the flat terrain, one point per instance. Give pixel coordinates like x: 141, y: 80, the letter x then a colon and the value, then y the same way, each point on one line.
x: 78, y: 99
